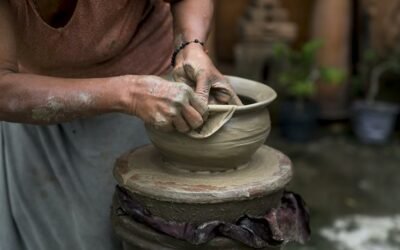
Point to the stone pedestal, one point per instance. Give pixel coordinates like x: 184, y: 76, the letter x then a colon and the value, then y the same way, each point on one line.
x: 198, y: 197
x: 254, y: 60
x: 264, y: 24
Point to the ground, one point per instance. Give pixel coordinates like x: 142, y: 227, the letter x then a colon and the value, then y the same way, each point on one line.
x: 351, y: 190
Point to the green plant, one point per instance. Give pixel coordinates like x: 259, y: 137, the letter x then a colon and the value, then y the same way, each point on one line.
x: 371, y: 68
x: 389, y: 64
x: 332, y: 76
x: 299, y: 73
x: 369, y: 59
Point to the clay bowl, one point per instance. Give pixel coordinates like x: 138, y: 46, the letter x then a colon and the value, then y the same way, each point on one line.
x: 232, y: 145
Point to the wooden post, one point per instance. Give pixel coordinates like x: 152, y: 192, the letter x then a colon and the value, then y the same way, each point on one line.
x: 332, y: 24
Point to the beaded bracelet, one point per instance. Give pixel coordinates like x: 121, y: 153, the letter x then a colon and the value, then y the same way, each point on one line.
x: 181, y: 47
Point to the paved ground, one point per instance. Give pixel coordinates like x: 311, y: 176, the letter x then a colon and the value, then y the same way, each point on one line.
x: 351, y: 189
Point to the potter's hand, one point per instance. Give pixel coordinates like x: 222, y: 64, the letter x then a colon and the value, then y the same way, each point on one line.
x: 194, y: 67
x: 166, y: 105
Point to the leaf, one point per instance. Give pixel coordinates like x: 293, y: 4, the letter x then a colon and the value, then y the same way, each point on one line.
x: 310, y: 49
x: 333, y: 76
x: 370, y: 56
x: 296, y: 74
x: 281, y: 50
x: 303, y: 89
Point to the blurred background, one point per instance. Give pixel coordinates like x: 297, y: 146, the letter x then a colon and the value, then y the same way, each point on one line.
x: 336, y: 67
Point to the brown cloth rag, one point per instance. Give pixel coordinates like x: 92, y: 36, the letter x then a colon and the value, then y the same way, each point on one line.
x: 289, y: 222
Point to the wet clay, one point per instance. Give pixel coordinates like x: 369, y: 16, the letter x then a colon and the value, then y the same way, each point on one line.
x: 184, y: 196
x: 231, y: 138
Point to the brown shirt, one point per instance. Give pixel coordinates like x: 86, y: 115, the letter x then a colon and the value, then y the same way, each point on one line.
x: 102, y: 38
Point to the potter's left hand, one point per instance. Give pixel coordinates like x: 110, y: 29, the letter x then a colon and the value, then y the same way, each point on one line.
x: 194, y: 67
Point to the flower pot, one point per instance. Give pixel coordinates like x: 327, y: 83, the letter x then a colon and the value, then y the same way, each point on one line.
x: 373, y: 123
x: 298, y: 120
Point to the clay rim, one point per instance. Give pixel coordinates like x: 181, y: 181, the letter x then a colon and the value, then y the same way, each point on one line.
x: 261, y: 93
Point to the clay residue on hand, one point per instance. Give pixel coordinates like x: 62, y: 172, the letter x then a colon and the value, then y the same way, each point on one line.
x: 53, y: 108
x: 160, y: 120
x: 84, y: 98
x: 58, y: 108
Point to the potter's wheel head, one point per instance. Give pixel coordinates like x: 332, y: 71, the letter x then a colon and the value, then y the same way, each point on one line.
x: 174, y: 194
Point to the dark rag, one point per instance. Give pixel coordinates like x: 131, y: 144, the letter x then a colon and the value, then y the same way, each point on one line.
x: 287, y: 223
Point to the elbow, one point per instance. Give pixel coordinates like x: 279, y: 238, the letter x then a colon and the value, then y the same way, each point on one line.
x: 5, y: 72
x: 4, y: 81
x: 6, y: 69
x: 6, y: 97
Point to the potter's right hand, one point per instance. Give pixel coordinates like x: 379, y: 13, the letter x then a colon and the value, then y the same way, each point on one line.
x: 165, y: 105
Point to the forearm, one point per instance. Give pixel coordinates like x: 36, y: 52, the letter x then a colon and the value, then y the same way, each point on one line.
x: 36, y: 99
x: 192, y: 65
x: 192, y: 20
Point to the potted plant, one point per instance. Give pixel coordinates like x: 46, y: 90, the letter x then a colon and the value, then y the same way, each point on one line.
x: 297, y: 79
x: 374, y: 121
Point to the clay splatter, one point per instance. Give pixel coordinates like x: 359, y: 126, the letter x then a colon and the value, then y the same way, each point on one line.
x: 51, y: 110
x: 57, y: 108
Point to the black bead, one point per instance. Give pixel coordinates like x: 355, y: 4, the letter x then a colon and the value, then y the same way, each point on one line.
x: 182, y: 46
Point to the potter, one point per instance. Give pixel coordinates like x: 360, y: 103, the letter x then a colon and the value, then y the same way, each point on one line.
x: 78, y: 79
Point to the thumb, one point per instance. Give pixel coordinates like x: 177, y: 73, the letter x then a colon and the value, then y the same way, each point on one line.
x: 203, y: 87
x: 179, y: 75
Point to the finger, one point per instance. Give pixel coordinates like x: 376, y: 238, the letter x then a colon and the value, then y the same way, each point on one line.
x: 224, y: 96
x: 180, y: 124
x: 224, y: 93
x: 203, y: 87
x: 179, y: 75
x: 161, y: 122
x: 199, y: 105
x: 192, y: 117
x: 211, y: 99
x: 236, y: 100
x: 227, y: 97
x: 221, y: 95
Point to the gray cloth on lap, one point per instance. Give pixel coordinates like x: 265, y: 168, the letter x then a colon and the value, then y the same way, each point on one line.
x: 56, y: 182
